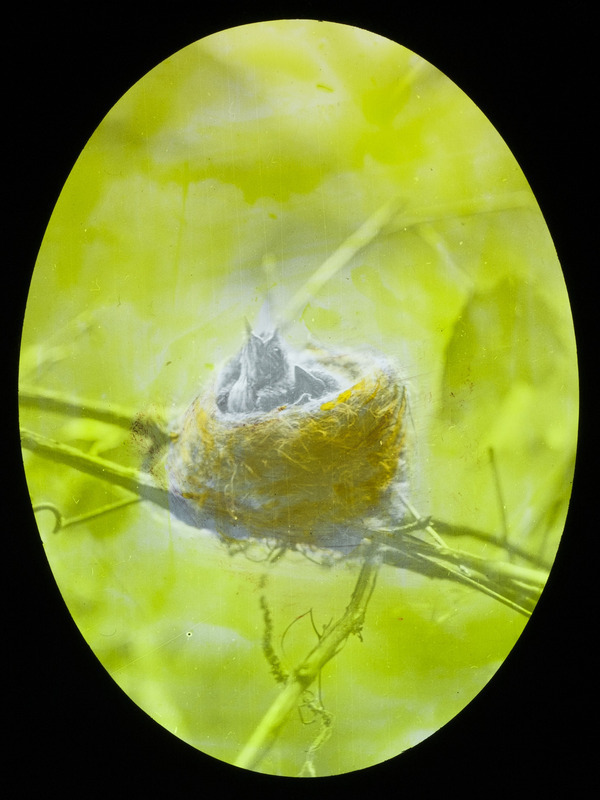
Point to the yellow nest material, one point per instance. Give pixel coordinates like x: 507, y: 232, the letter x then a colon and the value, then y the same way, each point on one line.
x: 296, y: 474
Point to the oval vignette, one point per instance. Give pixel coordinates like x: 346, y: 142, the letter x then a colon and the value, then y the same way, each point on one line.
x: 227, y: 177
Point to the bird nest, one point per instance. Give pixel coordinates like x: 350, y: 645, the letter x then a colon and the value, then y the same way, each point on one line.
x: 299, y: 473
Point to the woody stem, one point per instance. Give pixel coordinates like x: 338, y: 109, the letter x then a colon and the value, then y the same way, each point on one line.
x: 351, y: 621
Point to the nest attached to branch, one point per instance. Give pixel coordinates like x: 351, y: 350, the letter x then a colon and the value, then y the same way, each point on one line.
x: 298, y: 474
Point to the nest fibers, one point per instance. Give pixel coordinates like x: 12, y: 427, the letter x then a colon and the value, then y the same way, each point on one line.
x: 299, y: 474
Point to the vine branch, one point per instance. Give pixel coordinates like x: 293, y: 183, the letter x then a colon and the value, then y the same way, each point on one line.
x: 351, y: 622
x: 518, y: 587
x: 137, y: 481
x: 51, y: 400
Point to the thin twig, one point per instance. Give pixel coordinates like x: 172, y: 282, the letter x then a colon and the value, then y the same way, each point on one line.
x: 302, y: 677
x: 472, y: 206
x: 357, y: 241
x: 500, y: 496
x: 388, y: 217
x: 60, y: 523
x: 111, y: 413
x: 497, y: 540
x: 50, y: 400
x: 142, y: 483
x: 434, y: 564
x: 518, y: 587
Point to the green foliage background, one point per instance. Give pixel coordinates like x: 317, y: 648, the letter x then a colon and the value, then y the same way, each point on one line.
x: 270, y: 144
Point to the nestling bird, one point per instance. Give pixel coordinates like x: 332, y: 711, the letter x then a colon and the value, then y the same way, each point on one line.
x: 260, y: 378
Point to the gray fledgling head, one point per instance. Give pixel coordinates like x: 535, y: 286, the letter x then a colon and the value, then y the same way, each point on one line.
x: 264, y: 360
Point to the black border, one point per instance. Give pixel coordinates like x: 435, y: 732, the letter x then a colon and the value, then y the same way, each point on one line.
x: 68, y: 725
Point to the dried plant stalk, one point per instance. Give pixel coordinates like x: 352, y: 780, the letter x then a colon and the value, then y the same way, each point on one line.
x: 351, y: 622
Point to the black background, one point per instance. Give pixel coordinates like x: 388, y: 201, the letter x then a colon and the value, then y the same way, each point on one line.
x: 68, y: 725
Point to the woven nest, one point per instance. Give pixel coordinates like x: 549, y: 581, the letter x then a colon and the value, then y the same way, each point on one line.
x: 297, y: 474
